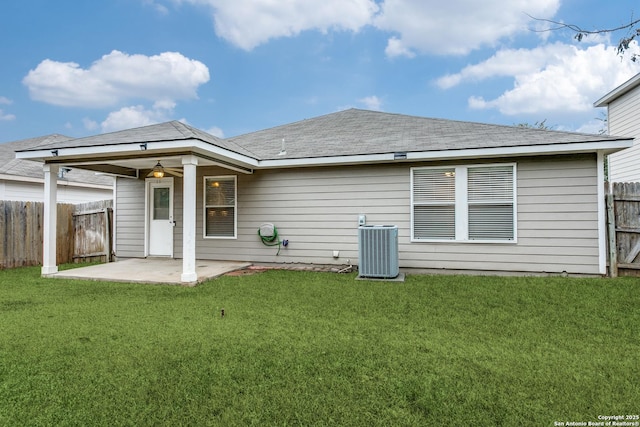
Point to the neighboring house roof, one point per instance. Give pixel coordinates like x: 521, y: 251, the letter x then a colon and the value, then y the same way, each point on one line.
x: 10, y: 166
x: 618, y: 92
x: 346, y: 137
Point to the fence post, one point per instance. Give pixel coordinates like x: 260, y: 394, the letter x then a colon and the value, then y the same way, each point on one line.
x: 107, y: 240
x: 611, y: 233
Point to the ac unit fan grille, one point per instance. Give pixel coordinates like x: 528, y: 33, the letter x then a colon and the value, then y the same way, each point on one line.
x: 378, y: 251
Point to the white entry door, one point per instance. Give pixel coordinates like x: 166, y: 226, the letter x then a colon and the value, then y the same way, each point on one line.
x: 160, y: 217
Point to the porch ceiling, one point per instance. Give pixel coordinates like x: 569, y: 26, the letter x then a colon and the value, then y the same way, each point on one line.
x: 133, y: 166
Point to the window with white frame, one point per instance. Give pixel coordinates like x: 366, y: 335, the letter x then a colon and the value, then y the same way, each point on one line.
x: 464, y: 203
x: 220, y: 202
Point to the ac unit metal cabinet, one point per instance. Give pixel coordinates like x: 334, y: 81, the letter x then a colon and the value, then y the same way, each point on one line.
x: 378, y: 251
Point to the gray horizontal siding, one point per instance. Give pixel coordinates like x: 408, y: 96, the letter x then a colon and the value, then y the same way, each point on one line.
x: 624, y: 120
x: 623, y: 114
x: 557, y: 225
x: 317, y: 210
x: 129, y: 218
x: 624, y: 166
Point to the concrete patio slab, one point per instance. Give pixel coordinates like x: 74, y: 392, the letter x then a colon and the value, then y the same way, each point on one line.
x: 150, y: 270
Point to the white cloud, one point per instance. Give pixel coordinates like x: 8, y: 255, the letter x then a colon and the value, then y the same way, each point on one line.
x: 115, y: 78
x: 250, y: 23
x: 371, y: 103
x: 508, y: 62
x: 5, y: 117
x: 593, y: 126
x: 90, y: 124
x: 161, y: 9
x: 164, y: 104
x: 456, y: 26
x: 136, y: 116
x: 417, y: 26
x: 395, y: 47
x: 554, y: 78
x: 215, y: 131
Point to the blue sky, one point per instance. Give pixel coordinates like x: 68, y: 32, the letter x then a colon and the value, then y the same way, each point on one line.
x: 230, y: 67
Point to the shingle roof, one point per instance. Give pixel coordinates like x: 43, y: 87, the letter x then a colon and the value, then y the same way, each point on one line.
x: 355, y: 132
x: 351, y: 132
x: 168, y: 131
x: 9, y: 165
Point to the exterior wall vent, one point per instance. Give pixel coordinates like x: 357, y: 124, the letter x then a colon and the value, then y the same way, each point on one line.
x: 378, y: 251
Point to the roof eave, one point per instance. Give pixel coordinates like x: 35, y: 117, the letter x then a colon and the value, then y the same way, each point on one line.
x: 137, y: 149
x: 618, y: 92
x: 62, y: 182
x: 605, y: 147
x: 159, y: 148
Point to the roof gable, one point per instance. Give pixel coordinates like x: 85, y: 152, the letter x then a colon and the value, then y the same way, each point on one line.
x: 616, y: 93
x: 162, y: 132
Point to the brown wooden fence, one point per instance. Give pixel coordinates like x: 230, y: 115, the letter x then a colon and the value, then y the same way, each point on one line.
x: 84, y: 232
x: 93, y: 232
x: 623, y: 207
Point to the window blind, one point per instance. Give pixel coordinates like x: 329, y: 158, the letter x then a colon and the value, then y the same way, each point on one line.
x: 434, y: 194
x: 220, y: 206
x: 479, y: 205
x: 490, y: 198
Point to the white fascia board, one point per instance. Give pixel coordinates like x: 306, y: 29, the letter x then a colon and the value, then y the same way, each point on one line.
x: 325, y: 161
x: 84, y: 185
x: 61, y: 182
x: 5, y: 177
x: 169, y: 147
x: 156, y: 147
x: 588, y: 147
x: 226, y: 155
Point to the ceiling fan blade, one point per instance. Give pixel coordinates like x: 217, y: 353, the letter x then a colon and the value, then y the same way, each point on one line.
x: 174, y: 172
x: 169, y: 171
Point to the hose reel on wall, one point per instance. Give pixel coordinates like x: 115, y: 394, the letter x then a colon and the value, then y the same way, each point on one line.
x: 269, y: 235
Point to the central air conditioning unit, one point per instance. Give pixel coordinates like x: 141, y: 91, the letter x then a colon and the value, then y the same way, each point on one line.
x: 378, y: 251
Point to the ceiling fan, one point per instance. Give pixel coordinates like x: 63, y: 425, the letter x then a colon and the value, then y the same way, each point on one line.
x: 160, y: 171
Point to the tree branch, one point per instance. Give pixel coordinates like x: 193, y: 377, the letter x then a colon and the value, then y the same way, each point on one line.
x: 578, y: 29
x: 581, y: 33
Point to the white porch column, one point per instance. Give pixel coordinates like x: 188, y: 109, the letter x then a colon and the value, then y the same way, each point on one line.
x: 49, y: 261
x: 189, y: 274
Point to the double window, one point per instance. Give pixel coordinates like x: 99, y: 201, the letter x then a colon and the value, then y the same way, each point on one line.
x: 463, y: 203
x: 220, y: 206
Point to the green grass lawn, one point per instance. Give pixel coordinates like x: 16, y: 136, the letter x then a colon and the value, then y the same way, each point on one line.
x: 302, y: 348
